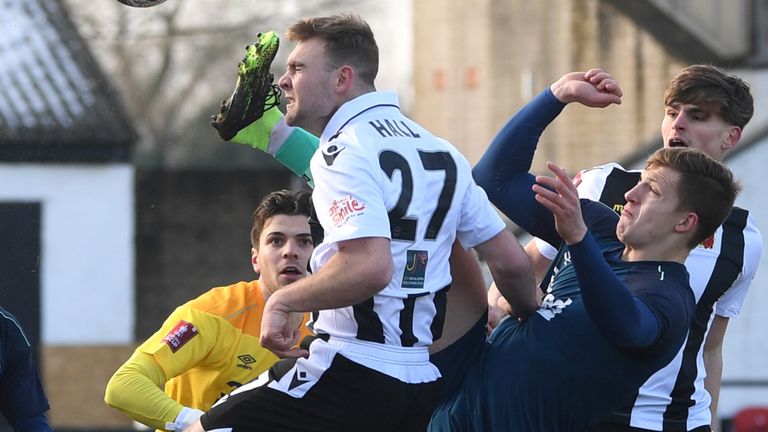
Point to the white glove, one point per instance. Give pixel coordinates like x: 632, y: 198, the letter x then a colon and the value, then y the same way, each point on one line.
x: 187, y: 417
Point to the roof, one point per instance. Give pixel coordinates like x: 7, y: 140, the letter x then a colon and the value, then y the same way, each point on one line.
x: 55, y: 103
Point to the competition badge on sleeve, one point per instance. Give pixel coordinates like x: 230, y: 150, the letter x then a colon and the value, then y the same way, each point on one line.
x: 179, y: 335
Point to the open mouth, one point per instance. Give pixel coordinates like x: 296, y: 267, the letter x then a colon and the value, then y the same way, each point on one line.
x: 677, y: 142
x: 291, y: 271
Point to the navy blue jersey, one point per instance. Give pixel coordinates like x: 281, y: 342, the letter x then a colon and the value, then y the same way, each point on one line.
x: 556, y: 371
x: 606, y: 327
x: 22, y: 400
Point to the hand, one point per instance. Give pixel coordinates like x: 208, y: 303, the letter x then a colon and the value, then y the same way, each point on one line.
x: 559, y: 195
x: 497, y: 313
x: 279, y: 329
x: 595, y: 88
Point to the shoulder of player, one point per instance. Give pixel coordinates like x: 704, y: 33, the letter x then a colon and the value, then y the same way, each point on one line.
x: 11, y: 329
x: 742, y: 223
x: 602, y: 171
x: 751, y: 229
x: 225, y: 300
x: 599, y: 217
x: 662, y: 283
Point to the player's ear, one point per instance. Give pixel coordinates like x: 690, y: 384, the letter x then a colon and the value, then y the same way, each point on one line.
x: 255, y: 260
x: 688, y: 223
x: 733, y: 138
x: 345, y: 78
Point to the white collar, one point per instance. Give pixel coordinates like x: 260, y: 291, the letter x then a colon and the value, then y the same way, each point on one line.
x: 354, y: 107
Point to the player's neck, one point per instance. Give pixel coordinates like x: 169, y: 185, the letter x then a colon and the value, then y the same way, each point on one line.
x: 656, y: 252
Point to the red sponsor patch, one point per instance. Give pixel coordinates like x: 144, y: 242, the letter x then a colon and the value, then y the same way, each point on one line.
x: 709, y: 242
x: 182, y: 333
x: 342, y: 209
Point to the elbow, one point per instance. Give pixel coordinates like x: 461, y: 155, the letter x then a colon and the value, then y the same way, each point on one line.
x: 383, y: 275
x: 110, y: 394
x: 522, y: 294
x: 368, y: 262
x: 115, y: 392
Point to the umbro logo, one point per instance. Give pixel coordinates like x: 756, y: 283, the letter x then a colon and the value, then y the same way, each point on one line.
x: 331, y: 153
x: 246, y: 360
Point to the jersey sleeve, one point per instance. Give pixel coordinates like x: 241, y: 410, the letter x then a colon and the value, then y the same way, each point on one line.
x: 668, y: 304
x: 347, y: 197
x: 185, y: 339
x: 136, y: 390
x: 730, y: 303
x: 479, y: 221
x: 503, y: 171
x: 623, y: 319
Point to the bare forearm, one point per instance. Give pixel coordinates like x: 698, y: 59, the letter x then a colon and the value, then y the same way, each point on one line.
x: 540, y: 262
x: 512, y: 272
x: 713, y: 363
x: 519, y: 289
x: 356, y: 272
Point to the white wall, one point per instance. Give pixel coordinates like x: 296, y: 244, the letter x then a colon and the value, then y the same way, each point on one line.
x: 87, y: 262
x: 745, y: 353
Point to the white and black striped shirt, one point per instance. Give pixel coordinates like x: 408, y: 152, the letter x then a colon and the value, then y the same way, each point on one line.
x: 379, y: 174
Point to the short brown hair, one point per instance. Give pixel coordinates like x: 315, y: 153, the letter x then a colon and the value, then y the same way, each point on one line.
x: 348, y: 39
x: 714, y: 91
x: 707, y: 187
x: 282, y: 202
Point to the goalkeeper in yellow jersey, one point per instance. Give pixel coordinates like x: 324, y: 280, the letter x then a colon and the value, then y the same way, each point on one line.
x: 210, y: 345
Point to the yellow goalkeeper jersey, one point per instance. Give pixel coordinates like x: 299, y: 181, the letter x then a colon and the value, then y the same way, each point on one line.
x: 210, y: 345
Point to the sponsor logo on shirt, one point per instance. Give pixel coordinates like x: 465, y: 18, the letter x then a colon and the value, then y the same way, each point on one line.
x: 550, y: 307
x: 182, y: 333
x: 343, y: 209
x: 415, y: 268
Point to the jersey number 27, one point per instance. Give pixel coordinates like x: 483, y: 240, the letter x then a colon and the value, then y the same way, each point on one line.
x: 404, y: 228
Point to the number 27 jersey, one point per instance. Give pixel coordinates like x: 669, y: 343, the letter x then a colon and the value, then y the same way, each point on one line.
x: 379, y: 174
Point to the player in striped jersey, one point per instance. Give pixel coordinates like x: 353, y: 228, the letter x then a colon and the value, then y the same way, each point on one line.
x: 705, y: 109
x: 391, y: 198
x: 210, y: 345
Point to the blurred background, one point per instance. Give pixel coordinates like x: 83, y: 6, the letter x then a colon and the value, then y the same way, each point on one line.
x: 119, y: 202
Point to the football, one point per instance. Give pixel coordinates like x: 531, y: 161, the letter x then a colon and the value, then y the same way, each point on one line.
x: 141, y: 3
